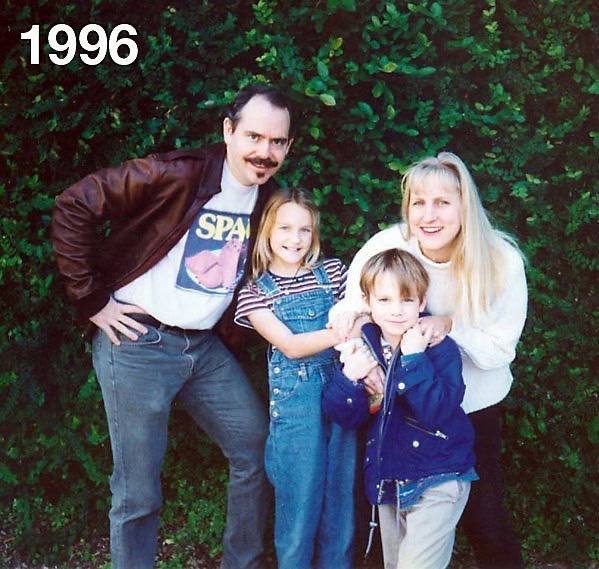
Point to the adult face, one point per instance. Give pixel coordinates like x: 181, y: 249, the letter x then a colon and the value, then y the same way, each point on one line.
x: 435, y: 218
x: 259, y: 143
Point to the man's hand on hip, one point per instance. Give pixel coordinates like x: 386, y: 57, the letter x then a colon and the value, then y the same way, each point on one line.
x: 113, y: 317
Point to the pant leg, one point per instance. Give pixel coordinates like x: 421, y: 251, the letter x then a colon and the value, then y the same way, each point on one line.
x: 485, y: 520
x: 221, y: 400
x: 296, y: 462
x: 335, y: 539
x: 391, y: 534
x: 139, y: 381
x: 426, y: 532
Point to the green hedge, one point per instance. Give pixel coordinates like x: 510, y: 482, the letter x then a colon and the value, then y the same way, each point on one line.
x: 509, y: 86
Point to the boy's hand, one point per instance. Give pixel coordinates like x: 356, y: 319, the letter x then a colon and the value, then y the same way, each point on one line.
x: 359, y: 362
x: 416, y: 339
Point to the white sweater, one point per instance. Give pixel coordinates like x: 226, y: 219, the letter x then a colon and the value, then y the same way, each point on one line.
x: 487, y: 350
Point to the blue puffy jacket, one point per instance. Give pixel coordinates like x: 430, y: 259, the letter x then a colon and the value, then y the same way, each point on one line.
x: 420, y: 430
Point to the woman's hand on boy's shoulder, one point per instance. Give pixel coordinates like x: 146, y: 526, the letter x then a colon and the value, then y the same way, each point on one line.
x: 440, y: 327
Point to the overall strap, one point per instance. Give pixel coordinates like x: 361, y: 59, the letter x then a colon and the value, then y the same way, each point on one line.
x: 322, y: 278
x: 268, y: 284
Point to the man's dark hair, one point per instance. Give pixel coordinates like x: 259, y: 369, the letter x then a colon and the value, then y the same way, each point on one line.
x: 272, y: 95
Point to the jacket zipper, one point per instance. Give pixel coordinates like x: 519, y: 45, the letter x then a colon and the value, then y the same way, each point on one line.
x: 386, y: 397
x: 417, y: 425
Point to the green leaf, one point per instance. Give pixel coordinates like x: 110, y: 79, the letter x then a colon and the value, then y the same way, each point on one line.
x: 328, y: 100
x: 594, y: 88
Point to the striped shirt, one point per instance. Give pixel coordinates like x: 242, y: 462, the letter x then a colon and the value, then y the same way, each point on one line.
x: 252, y: 297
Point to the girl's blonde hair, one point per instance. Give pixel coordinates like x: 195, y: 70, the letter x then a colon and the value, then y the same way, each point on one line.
x: 411, y: 277
x: 478, y: 258
x: 263, y: 255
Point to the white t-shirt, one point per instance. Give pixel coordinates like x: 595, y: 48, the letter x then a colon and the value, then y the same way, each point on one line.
x: 193, y: 284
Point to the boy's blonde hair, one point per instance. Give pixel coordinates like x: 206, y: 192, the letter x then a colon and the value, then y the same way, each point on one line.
x: 408, y: 271
x: 478, y: 259
x: 263, y: 255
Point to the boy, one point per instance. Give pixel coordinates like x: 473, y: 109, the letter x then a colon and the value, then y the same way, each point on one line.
x: 419, y: 459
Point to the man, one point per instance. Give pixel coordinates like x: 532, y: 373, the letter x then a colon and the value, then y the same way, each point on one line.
x: 155, y: 285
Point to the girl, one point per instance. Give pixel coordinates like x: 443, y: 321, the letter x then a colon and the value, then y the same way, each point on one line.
x: 309, y: 460
x: 478, y: 297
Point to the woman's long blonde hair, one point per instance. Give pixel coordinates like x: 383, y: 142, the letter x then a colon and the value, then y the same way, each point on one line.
x: 478, y: 258
x: 263, y: 255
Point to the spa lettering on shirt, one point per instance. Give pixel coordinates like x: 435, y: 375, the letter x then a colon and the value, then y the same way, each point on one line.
x: 215, y: 252
x: 222, y: 227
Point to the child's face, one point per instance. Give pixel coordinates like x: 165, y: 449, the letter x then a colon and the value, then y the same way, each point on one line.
x: 290, y: 238
x: 392, y: 312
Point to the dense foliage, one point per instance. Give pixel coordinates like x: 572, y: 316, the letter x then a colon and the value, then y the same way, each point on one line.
x: 510, y: 86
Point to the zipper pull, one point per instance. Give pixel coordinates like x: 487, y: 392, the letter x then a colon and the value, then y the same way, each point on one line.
x: 440, y: 435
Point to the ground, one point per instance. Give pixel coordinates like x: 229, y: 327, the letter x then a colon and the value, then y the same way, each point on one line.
x: 95, y: 555
x: 80, y: 558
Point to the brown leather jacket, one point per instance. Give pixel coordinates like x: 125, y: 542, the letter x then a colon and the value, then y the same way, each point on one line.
x: 114, y: 225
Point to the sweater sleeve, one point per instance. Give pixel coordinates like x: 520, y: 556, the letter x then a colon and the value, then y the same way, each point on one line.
x: 492, y: 344
x: 352, y: 302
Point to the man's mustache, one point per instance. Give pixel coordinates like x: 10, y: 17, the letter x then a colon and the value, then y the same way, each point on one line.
x: 263, y: 162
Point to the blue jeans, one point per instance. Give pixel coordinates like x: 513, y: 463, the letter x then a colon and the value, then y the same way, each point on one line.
x: 140, y: 381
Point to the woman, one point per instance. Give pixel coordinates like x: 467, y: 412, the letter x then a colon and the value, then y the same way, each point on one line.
x: 478, y: 297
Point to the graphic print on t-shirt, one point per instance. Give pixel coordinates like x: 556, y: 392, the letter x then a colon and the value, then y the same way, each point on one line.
x: 215, y: 252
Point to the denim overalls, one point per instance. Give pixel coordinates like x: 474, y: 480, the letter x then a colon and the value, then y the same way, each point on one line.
x: 310, y: 461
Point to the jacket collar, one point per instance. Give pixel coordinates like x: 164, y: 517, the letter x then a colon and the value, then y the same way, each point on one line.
x: 371, y: 332
x: 215, y: 156
x: 209, y: 165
